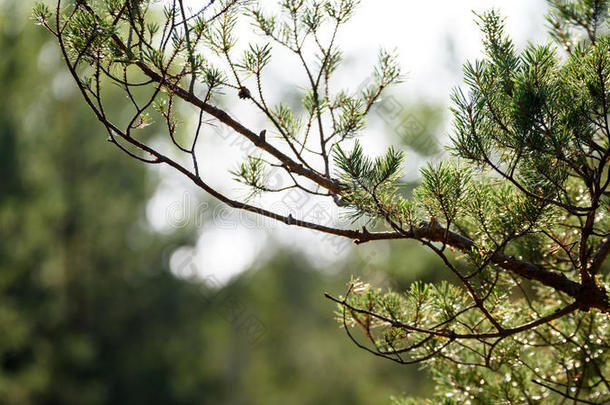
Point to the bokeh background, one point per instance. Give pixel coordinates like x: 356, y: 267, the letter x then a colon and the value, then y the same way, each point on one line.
x: 121, y: 284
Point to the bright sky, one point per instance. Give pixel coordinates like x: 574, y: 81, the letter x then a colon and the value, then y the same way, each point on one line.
x: 433, y: 39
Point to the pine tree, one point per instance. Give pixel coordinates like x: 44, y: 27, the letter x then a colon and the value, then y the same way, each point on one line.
x: 517, y: 216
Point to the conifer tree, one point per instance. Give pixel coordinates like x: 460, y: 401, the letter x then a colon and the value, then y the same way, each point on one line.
x: 518, y: 216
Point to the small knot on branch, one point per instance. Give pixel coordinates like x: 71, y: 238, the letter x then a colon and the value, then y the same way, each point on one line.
x: 260, y: 140
x: 593, y: 295
x: 339, y: 201
x: 244, y: 93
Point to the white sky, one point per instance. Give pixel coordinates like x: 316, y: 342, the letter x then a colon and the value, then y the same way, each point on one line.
x: 433, y: 39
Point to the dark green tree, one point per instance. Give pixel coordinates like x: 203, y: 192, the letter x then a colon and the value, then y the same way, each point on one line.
x: 523, y: 203
x: 83, y: 282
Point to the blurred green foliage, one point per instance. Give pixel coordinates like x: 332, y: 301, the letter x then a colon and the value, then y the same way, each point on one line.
x: 418, y: 128
x: 90, y: 313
